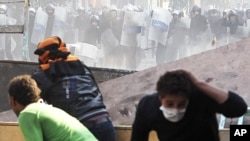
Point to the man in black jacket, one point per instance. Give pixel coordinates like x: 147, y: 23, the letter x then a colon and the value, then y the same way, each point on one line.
x: 198, y: 25
x: 67, y: 83
x: 184, y: 109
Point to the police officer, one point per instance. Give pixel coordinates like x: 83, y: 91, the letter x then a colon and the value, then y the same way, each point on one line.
x: 231, y: 21
x: 110, y: 39
x: 115, y: 23
x: 81, y: 23
x: 50, y: 10
x: 176, y: 36
x: 216, y: 20
x: 198, y: 25
x: 213, y: 18
x: 5, y: 49
x: 32, y: 46
x: 247, y: 12
x: 93, y: 33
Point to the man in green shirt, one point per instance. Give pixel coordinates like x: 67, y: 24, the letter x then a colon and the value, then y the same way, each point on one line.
x: 39, y: 121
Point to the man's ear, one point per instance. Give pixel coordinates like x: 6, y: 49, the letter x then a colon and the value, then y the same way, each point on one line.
x: 159, y: 97
x: 12, y: 101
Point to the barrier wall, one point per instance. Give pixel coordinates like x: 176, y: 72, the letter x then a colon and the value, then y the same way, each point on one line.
x: 9, y: 69
x: 9, y: 131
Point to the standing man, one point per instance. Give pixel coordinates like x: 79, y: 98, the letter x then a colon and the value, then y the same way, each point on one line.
x: 39, y: 121
x: 177, y: 34
x: 69, y: 84
x: 184, y: 109
x: 233, y: 23
x: 32, y: 46
x: 81, y: 23
x: 50, y: 10
x: 198, y: 25
x: 93, y: 33
x: 5, y: 39
x: 215, y: 20
x: 110, y: 39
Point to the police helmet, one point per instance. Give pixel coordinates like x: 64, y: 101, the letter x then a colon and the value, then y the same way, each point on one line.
x: 50, y: 9
x: 225, y: 12
x: 113, y: 11
x: 214, y: 12
x: 3, y: 8
x: 247, y: 11
x: 32, y: 10
x: 232, y: 13
x: 81, y: 10
x: 95, y: 18
x: 240, y: 12
x: 178, y: 13
x: 113, y: 8
x: 196, y: 8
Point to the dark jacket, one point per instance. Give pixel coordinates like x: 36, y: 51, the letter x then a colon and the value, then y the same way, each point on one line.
x: 233, y: 26
x: 49, y: 26
x: 70, y: 85
x: 198, y: 124
x: 178, y: 31
x: 93, y: 35
x: 198, y: 25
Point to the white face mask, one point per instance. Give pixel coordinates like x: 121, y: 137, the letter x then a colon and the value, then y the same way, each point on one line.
x: 173, y: 115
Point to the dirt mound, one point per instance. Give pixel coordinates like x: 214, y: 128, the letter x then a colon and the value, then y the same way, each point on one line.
x: 225, y: 67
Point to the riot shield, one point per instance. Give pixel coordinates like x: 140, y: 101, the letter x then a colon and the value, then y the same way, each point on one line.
x: 85, y: 52
x: 108, y: 41
x: 6, y: 38
x: 247, y: 31
x: 59, y: 25
x: 132, y: 27
x: 39, y: 29
x: 3, y: 21
x: 11, y: 21
x: 145, y: 31
x: 159, y: 25
x: 242, y: 31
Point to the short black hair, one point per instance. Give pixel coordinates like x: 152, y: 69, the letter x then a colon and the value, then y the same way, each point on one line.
x: 24, y: 89
x: 175, y: 83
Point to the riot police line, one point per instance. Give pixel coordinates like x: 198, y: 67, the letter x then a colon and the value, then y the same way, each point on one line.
x: 119, y: 38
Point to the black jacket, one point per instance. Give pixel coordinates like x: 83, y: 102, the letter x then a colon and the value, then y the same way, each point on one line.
x: 70, y: 85
x: 198, y: 25
x: 198, y: 124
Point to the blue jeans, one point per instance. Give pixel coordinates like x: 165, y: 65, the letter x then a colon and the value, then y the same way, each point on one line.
x: 104, y: 131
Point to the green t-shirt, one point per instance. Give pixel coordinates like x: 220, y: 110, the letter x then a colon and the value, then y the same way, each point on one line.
x: 42, y: 122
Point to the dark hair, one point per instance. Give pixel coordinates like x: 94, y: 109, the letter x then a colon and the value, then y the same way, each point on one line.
x: 174, y: 83
x: 24, y: 89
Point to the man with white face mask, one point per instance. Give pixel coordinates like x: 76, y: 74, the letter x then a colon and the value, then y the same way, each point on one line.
x: 184, y: 109
x: 173, y: 114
